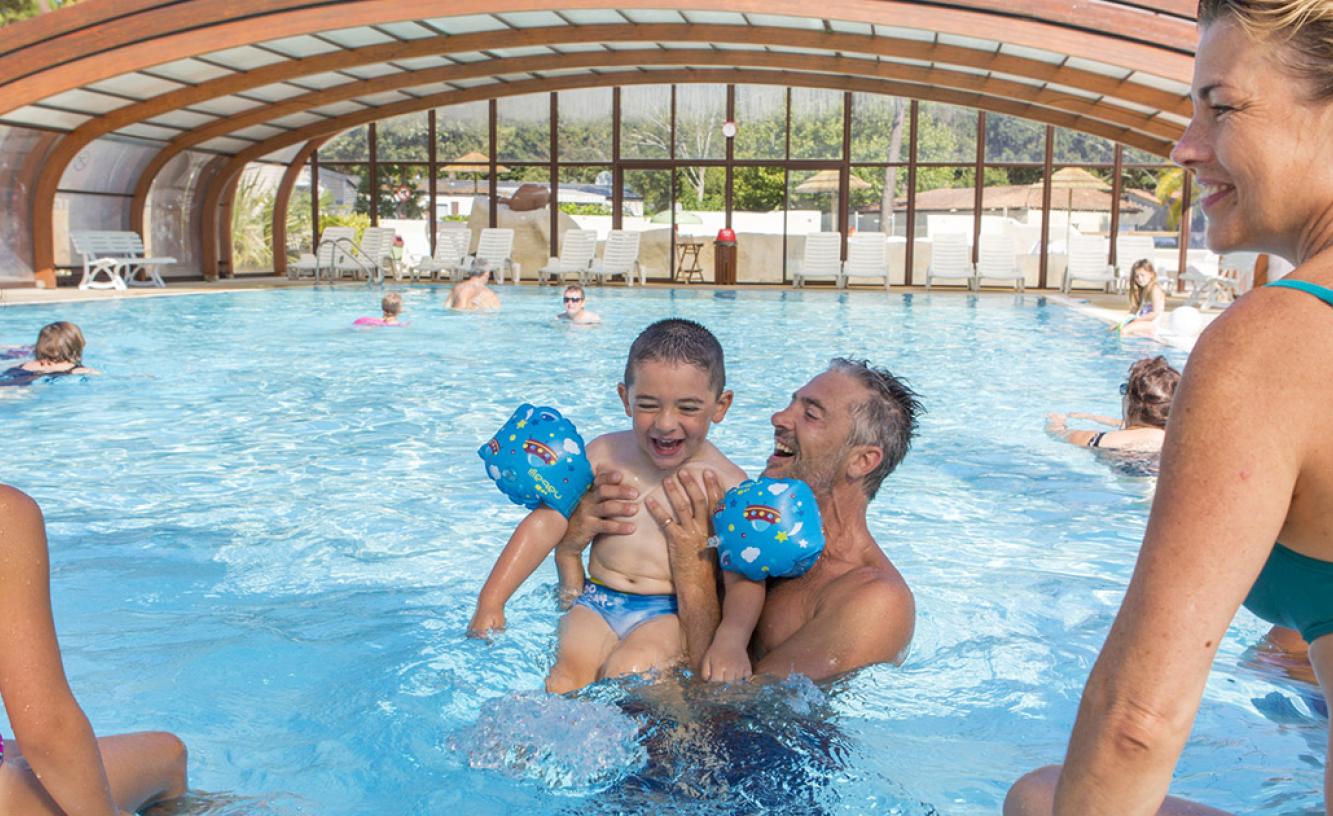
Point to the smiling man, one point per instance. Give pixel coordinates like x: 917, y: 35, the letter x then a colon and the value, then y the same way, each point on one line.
x: 842, y: 433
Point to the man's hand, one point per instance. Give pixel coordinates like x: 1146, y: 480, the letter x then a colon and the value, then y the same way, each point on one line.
x: 726, y: 661
x: 486, y: 621
x: 603, y: 510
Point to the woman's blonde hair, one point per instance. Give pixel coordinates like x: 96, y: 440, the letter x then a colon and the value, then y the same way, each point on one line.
x: 392, y: 304
x: 59, y: 343
x: 1136, y: 292
x: 1304, y: 27
x: 1151, y: 388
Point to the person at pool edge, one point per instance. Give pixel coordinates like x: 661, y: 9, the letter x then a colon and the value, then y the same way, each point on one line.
x: 473, y: 294
x: 56, y: 765
x: 575, y: 309
x: 842, y: 433
x: 623, y: 620
x: 1243, y: 513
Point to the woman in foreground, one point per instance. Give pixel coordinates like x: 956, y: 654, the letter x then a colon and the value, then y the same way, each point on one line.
x: 55, y: 765
x: 1248, y: 460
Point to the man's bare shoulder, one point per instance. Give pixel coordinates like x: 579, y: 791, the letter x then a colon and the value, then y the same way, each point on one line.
x: 876, y: 601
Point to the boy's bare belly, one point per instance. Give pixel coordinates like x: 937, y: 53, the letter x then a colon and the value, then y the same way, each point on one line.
x: 638, y: 563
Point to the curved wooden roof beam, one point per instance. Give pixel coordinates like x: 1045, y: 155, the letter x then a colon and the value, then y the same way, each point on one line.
x: 194, y: 27
x: 1006, y: 89
x: 220, y: 182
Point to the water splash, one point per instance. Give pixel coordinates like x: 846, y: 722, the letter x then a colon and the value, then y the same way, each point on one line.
x: 572, y: 746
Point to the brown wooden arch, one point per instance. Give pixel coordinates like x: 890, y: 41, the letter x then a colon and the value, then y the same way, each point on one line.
x: 1006, y: 89
x: 221, y: 182
x: 281, y: 197
x: 195, y: 27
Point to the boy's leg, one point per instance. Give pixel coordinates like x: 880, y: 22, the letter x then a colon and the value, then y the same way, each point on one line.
x: 652, y: 646
x: 585, y: 641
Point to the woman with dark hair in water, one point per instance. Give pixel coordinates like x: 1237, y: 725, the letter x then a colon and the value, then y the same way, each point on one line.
x: 1145, y: 405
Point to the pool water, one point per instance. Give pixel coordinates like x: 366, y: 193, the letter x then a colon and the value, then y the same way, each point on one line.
x: 268, y: 530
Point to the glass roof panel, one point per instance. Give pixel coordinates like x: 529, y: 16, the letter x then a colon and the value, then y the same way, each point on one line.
x: 969, y: 42
x: 1160, y: 83
x: 44, y: 117
x: 222, y: 144
x: 408, y: 30
x: 845, y: 27
x: 592, y: 16
x: 302, y: 46
x: 190, y: 70
x: 297, y: 120
x: 653, y: 16
x: 226, y: 105
x: 715, y: 17
x: 532, y: 19
x: 379, y: 69
x: 244, y: 58
x: 144, y: 131
x: 139, y: 86
x: 783, y: 21
x: 467, y: 24
x: 257, y: 132
x: 338, y: 108
x: 81, y: 101
x: 357, y: 37
x: 421, y: 63
x: 917, y: 34
x: 183, y: 118
x: 325, y: 80
x: 1032, y: 53
x: 1098, y: 68
x: 276, y: 92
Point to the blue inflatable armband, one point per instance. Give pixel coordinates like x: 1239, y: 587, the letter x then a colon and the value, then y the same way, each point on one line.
x: 768, y: 528
x: 537, y: 458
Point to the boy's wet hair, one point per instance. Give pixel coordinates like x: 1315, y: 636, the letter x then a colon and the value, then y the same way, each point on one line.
x: 675, y: 340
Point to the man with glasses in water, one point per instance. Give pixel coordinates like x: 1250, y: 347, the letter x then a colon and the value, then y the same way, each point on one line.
x: 574, y: 307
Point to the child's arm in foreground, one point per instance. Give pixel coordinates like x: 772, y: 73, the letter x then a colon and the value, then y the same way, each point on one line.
x: 728, y: 658
x: 532, y: 541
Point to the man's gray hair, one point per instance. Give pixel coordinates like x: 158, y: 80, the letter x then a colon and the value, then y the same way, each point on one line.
x: 479, y: 267
x: 887, y: 419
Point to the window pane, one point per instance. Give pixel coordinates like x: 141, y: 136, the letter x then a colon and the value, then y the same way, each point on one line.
x: 350, y: 145
x: 1132, y: 155
x: 945, y: 133
x: 1010, y: 139
x: 586, y: 195
x: 945, y: 199
x: 645, y: 122
x: 403, y: 138
x: 812, y: 204
x: 1076, y: 147
x: 758, y: 218
x: 531, y: 245
x: 879, y: 128
x: 816, y: 123
x: 646, y: 208
x: 1011, y: 208
x: 585, y: 125
x: 873, y: 211
x: 700, y: 111
x: 404, y: 202
x: 461, y: 130
x: 761, y: 119
x: 523, y: 128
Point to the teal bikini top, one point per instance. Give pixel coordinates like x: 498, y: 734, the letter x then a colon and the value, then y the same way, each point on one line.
x: 1295, y: 590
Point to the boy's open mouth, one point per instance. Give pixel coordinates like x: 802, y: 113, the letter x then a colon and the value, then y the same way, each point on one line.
x: 666, y: 447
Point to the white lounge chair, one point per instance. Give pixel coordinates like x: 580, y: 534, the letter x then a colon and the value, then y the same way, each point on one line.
x: 951, y: 259
x: 997, y: 260
x: 1209, y: 290
x: 450, y: 249
x: 1087, y: 263
x: 620, y: 257
x: 867, y: 257
x: 117, y: 255
x: 577, y: 251
x: 1129, y: 250
x: 369, y: 258
x: 821, y: 259
x: 495, y: 246
x: 322, y: 258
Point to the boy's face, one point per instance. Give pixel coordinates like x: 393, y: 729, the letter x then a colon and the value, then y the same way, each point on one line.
x: 573, y: 302
x: 671, y: 405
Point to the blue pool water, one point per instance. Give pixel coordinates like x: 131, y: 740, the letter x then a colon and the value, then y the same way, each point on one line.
x: 267, y: 531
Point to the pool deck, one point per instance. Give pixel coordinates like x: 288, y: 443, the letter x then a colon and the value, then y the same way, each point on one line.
x: 1110, y: 309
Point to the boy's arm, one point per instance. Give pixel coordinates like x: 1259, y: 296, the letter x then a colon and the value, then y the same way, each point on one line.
x: 532, y: 540
x: 727, y: 660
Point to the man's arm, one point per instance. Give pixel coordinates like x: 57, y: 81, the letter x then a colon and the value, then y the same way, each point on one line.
x: 693, y: 563
x: 867, y: 617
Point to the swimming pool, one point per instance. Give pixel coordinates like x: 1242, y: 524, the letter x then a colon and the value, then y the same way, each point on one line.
x: 268, y: 529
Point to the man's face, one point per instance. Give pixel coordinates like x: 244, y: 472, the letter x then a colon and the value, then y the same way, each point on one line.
x: 573, y: 302
x: 810, y: 435
x: 672, y: 405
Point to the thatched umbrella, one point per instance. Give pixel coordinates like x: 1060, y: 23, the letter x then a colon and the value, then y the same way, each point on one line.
x: 826, y: 181
x: 468, y: 163
x: 1070, y: 179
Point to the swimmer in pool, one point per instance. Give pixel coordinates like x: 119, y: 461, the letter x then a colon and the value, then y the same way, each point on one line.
x: 1145, y: 403
x: 473, y: 294
x: 391, y: 305
x: 623, y: 619
x: 58, y: 352
x: 576, y: 311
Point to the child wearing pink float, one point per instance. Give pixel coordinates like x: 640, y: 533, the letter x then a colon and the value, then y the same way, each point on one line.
x: 391, y: 305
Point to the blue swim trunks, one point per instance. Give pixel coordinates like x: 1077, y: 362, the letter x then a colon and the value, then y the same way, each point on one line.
x: 622, y: 611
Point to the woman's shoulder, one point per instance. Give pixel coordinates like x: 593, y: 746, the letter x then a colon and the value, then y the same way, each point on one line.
x: 17, y: 506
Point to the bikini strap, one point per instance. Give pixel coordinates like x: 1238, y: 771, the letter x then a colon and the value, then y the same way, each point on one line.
x: 1308, y: 288
x: 1096, y: 440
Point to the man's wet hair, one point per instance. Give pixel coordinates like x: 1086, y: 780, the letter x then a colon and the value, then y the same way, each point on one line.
x: 479, y: 267
x: 676, y: 340
x: 887, y: 419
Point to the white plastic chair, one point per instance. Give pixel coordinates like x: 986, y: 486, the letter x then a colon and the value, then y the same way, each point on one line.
x: 867, y: 257
x: 322, y: 258
x: 369, y: 258
x: 1087, y: 263
x: 495, y: 246
x: 951, y: 259
x: 821, y: 259
x: 451, y: 242
x: 620, y: 256
x: 577, y: 251
x: 997, y: 259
